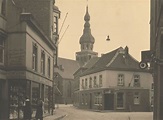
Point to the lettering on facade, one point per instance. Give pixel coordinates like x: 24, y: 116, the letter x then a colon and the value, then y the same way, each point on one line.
x: 16, y: 74
x: 16, y: 57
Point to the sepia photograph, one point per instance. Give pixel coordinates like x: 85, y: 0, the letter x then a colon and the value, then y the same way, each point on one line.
x: 81, y: 59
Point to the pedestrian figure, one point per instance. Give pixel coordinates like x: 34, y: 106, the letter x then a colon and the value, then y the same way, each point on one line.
x: 39, y: 110
x: 27, y: 110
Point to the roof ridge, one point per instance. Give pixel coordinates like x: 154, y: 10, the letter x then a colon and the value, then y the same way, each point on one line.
x: 116, y: 54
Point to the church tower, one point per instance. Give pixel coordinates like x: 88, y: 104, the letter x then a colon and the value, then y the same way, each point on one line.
x: 86, y: 43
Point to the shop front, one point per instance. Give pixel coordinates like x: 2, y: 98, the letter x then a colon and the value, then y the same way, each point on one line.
x: 20, y: 90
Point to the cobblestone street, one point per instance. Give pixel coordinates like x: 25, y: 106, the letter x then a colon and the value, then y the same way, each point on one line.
x: 72, y: 113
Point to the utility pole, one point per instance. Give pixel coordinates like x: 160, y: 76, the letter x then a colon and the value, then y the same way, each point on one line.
x: 156, y: 45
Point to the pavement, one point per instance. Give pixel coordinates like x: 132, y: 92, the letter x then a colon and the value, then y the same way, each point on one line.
x: 58, y: 114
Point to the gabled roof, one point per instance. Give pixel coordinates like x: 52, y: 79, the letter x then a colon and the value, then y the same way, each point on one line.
x: 118, y: 59
x: 89, y: 64
x: 67, y: 67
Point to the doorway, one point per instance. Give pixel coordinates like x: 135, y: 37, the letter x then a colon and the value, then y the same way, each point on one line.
x: 109, y: 101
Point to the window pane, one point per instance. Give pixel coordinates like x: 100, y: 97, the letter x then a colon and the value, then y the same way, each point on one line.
x: 136, y: 98
x: 120, y: 100
x: 1, y: 55
x: 35, y: 93
x: 136, y: 81
x: 120, y: 79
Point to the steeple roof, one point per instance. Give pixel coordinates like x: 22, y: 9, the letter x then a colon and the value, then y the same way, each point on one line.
x: 87, y: 36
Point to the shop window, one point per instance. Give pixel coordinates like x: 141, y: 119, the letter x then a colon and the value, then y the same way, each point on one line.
x: 120, y: 80
x: 49, y: 71
x: 90, y: 82
x: 43, y: 62
x: 34, y: 58
x: 98, y: 98
x: 35, y: 93
x: 17, y: 98
x: 82, y: 99
x: 120, y: 100
x: 136, y: 81
x: 136, y: 98
x: 100, y: 80
x: 47, y: 99
x: 1, y: 51
x: 86, y: 99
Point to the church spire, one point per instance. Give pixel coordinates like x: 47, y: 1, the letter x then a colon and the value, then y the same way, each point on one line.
x: 87, y: 36
x: 86, y: 42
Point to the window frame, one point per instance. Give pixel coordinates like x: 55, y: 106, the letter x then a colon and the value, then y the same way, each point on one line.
x: 86, y: 82
x: 2, y: 48
x: 136, y: 98
x: 98, y: 98
x: 42, y: 68
x: 90, y: 82
x: 48, y: 67
x: 95, y: 81
x: 136, y: 84
x: 100, y: 81
x: 123, y: 100
x: 121, y: 80
x: 34, y: 57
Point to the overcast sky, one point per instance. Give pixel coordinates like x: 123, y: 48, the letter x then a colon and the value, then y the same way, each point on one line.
x: 125, y: 21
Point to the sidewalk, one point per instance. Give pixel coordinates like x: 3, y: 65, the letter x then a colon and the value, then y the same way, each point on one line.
x: 58, y: 114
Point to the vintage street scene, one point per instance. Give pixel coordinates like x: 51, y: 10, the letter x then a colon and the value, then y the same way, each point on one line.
x: 81, y: 59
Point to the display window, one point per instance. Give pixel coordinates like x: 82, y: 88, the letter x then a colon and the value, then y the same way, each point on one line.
x: 47, y: 99
x: 17, y: 97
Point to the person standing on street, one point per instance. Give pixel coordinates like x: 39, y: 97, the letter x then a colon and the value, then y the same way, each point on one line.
x: 27, y: 110
x: 39, y: 110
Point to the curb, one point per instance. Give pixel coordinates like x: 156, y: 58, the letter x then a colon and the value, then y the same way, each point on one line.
x: 60, y: 117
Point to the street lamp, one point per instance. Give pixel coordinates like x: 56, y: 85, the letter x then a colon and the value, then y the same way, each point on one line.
x: 108, y: 39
